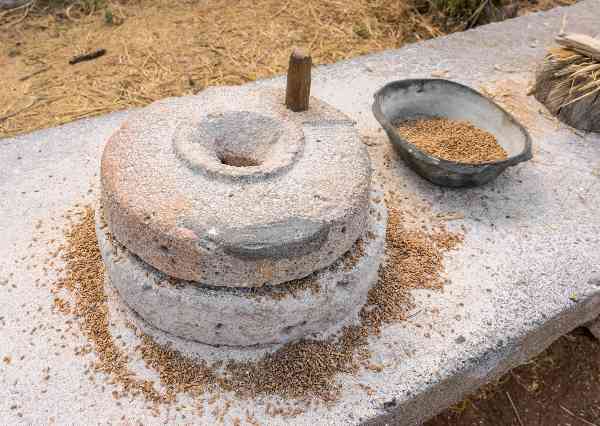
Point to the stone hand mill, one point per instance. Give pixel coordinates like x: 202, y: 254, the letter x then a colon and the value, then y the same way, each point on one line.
x: 241, y: 216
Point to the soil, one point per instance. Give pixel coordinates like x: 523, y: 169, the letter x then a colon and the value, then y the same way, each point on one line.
x: 561, y: 386
x: 157, y: 48
x: 452, y: 140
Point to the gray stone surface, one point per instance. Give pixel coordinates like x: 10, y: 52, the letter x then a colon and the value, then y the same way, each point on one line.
x: 531, y: 245
x: 322, y: 302
x: 594, y: 328
x: 292, y: 199
x: 11, y: 4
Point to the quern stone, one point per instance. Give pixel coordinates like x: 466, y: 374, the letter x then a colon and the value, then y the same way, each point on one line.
x: 321, y: 302
x: 232, y: 189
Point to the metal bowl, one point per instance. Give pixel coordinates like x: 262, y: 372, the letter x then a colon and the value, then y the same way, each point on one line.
x: 420, y: 98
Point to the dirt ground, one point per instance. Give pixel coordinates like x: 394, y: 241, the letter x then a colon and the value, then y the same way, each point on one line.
x: 561, y: 386
x: 161, y: 48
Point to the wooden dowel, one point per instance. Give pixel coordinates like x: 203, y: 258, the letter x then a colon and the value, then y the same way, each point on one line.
x: 581, y: 43
x: 297, y: 93
x: 87, y: 56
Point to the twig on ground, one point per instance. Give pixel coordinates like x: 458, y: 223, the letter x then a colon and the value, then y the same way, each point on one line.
x: 450, y: 216
x: 81, y: 5
x: 563, y: 25
x: 28, y: 7
x: 12, y: 114
x: 470, y: 23
x: 87, y: 56
x: 514, y: 409
x: 14, y: 9
x: 575, y: 416
x: 34, y: 73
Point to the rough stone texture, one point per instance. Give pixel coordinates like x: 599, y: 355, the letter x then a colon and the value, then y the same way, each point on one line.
x: 594, y: 328
x: 244, y: 317
x: 229, y: 188
x: 532, y: 239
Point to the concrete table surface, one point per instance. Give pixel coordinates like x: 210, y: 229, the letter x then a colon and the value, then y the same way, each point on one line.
x: 528, y: 271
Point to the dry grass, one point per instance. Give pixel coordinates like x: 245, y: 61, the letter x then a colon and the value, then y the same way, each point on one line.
x: 160, y: 48
x: 164, y: 49
x: 576, y: 77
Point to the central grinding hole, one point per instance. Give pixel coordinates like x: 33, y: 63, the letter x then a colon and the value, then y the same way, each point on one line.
x: 238, y: 161
x: 242, y: 138
x: 238, y: 143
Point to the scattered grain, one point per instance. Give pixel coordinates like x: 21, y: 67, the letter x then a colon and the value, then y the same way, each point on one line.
x: 84, y: 278
x: 300, y: 370
x: 352, y: 256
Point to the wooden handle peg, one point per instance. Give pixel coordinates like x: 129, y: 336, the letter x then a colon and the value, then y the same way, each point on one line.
x: 297, y: 93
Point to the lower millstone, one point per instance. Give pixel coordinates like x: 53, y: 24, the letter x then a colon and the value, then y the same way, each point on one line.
x: 243, y: 317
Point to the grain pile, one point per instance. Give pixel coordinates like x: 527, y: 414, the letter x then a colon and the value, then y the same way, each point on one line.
x: 177, y: 373
x: 301, y: 370
x: 452, y: 140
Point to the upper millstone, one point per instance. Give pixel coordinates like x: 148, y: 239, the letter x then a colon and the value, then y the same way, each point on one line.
x: 229, y: 188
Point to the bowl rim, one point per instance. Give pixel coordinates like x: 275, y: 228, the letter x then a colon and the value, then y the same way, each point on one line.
x: 454, y: 166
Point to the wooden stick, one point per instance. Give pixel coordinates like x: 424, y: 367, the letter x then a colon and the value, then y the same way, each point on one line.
x: 580, y: 43
x: 87, y: 56
x: 514, y: 409
x: 34, y: 73
x: 581, y: 419
x: 297, y: 93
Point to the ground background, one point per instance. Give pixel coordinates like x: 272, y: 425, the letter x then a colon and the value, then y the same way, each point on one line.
x: 160, y: 48
x: 561, y: 386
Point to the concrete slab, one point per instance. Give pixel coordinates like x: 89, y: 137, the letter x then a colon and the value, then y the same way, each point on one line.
x: 594, y: 328
x: 527, y: 272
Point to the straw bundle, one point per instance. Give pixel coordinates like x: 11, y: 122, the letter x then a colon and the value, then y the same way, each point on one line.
x: 568, y: 81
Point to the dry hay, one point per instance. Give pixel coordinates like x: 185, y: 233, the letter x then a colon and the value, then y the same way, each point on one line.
x: 160, y: 48
x: 568, y: 81
x: 165, y: 48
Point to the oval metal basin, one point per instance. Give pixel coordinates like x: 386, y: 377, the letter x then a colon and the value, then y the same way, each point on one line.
x: 428, y: 98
